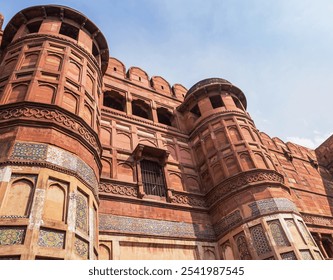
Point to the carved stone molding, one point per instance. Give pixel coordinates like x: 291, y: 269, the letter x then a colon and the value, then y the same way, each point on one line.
x: 239, y: 181
x: 109, y: 188
x: 317, y: 220
x: 36, y: 112
x: 188, y: 199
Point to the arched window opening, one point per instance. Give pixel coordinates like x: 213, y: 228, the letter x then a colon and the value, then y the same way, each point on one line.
x: 114, y: 100
x: 196, y: 111
x: 33, y: 27
x: 69, y: 30
x: 164, y: 116
x: 141, y: 109
x: 216, y: 101
x: 237, y: 103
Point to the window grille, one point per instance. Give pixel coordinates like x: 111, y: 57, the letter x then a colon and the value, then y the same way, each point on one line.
x: 153, y: 178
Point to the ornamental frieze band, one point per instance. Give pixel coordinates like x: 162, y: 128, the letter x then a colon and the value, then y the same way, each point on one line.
x: 240, y: 181
x: 35, y: 112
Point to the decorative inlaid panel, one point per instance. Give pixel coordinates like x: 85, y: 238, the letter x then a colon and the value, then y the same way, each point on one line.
x: 51, y: 238
x: 108, y: 188
x: 81, y: 247
x: 56, y: 156
x: 29, y: 151
x: 228, y: 222
x: 235, y: 183
x: 306, y: 255
x: 61, y: 157
x: 259, y: 240
x: 72, y: 162
x: 267, y: 206
x: 81, y: 212
x: 243, y: 250
x: 129, y: 225
x: 288, y: 256
x: 306, y: 233
x: 11, y: 236
x: 278, y: 234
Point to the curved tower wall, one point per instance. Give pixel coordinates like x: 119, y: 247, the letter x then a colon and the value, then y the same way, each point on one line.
x: 53, y: 60
x: 250, y: 206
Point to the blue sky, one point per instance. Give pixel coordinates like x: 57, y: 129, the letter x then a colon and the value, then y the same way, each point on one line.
x: 280, y: 53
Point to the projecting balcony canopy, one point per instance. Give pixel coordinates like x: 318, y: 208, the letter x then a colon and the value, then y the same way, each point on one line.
x: 143, y: 151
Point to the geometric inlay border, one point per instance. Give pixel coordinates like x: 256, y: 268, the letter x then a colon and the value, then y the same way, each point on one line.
x: 150, y: 227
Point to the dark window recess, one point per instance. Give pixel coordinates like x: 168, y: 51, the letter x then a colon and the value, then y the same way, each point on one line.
x: 196, y: 111
x: 114, y: 100
x: 69, y: 30
x: 327, y: 244
x: 114, y: 69
x: 141, y: 109
x: 153, y: 178
x: 33, y: 27
x: 95, y: 51
x: 164, y: 116
x: 237, y: 103
x: 216, y: 101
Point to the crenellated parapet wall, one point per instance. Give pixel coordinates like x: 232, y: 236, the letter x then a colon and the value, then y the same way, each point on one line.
x: 140, y: 78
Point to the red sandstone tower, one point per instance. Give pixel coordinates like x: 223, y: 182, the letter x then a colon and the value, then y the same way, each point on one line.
x: 51, y: 76
x: 250, y: 207
x: 100, y: 162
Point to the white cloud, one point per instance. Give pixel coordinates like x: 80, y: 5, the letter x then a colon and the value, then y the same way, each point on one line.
x: 312, y: 143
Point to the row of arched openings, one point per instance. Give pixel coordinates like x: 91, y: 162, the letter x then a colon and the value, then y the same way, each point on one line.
x: 140, y: 108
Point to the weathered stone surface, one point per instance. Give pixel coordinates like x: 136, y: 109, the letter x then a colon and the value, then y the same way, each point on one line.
x: 93, y: 152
